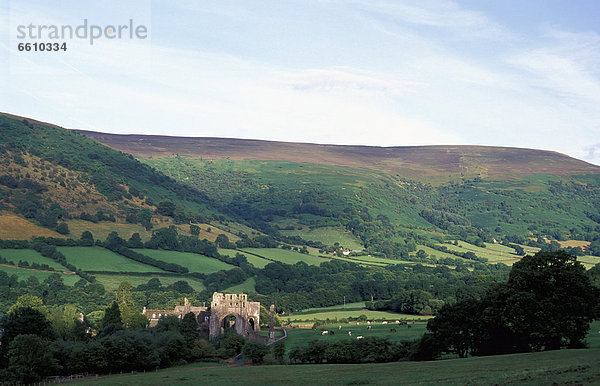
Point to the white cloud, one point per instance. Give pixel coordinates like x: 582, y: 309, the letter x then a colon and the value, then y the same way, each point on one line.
x: 347, y: 80
x: 447, y: 15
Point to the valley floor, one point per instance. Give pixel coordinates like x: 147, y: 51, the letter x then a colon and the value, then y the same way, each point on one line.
x: 564, y: 366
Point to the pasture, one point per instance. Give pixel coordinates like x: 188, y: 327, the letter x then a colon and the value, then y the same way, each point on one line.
x: 112, y: 282
x: 256, y: 261
x: 358, y: 261
x: 13, y: 227
x: 349, y: 313
x: 303, y: 336
x: 25, y: 273
x: 101, y: 229
x: 246, y: 287
x: 325, y: 235
x: 552, y: 367
x: 192, y: 261
x: 30, y: 256
x: 494, y: 253
x: 101, y: 259
x: 285, y: 256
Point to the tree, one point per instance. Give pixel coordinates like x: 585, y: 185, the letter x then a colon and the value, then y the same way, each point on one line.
x: 255, y: 351
x: 30, y: 359
x: 558, y: 303
x: 189, y: 328
x: 548, y: 303
x: 87, y: 237
x: 23, y: 321
x: 62, y: 228
x: 165, y: 238
x: 63, y: 319
x: 166, y: 208
x: 130, y: 316
x: 145, y: 218
x: 278, y: 350
x: 112, y: 315
x: 222, y: 241
x: 194, y: 230
x: 135, y: 241
x: 113, y: 241
x: 29, y: 301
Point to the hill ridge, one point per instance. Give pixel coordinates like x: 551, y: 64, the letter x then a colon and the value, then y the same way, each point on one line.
x: 411, y: 161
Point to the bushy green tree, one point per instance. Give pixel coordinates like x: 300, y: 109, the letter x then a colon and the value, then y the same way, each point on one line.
x: 278, y: 350
x: 112, y: 315
x: 255, y: 351
x: 30, y: 358
x: 548, y: 303
x: 62, y: 228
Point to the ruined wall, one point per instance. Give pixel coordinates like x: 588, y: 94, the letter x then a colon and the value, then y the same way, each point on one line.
x: 237, y: 305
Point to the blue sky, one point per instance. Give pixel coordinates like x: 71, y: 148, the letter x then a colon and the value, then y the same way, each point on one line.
x: 384, y: 72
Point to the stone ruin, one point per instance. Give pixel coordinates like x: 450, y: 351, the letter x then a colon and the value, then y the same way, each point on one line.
x: 201, y: 313
x: 247, y: 315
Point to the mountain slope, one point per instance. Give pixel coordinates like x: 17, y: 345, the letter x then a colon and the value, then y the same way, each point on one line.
x: 409, y: 161
x: 49, y: 173
x: 474, y: 193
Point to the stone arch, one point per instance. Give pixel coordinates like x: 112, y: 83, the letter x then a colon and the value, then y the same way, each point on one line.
x: 223, y: 305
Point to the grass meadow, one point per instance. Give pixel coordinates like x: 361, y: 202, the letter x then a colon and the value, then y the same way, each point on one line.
x: 285, y: 256
x: 101, y: 259
x: 13, y: 227
x: 30, y: 256
x: 246, y: 287
x: 192, y: 261
x: 326, y: 235
x: 112, y: 282
x: 256, y: 261
x: 24, y: 273
x: 553, y: 367
x: 101, y: 229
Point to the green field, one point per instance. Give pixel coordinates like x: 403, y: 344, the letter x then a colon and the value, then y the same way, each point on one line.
x: 246, y: 287
x: 192, y: 261
x: 587, y: 261
x: 358, y: 261
x: 256, y: 261
x: 551, y: 367
x: 326, y: 235
x: 101, y: 259
x: 24, y: 273
x: 494, y: 253
x: 351, y: 313
x: 30, y: 256
x: 112, y: 282
x: 347, y: 306
x: 101, y: 229
x: 285, y: 256
x: 302, y: 336
x: 438, y: 254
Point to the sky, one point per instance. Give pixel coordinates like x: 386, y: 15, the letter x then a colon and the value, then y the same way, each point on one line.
x: 382, y: 72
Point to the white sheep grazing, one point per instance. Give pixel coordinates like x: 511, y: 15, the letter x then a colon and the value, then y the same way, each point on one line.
x: 384, y: 322
x: 324, y: 332
x: 359, y: 337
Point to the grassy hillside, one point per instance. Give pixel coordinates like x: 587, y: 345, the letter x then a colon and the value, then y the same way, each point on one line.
x: 410, y: 161
x: 380, y: 198
x: 51, y: 175
x: 193, y: 261
x: 101, y: 259
x: 25, y: 273
x: 562, y: 367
